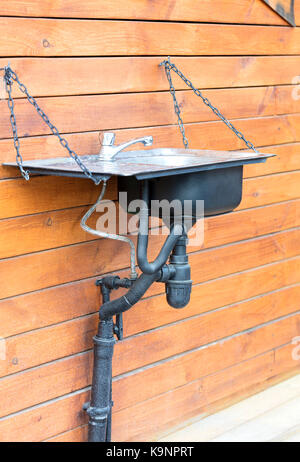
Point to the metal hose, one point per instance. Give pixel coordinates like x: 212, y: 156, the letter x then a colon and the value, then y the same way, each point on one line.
x: 85, y: 227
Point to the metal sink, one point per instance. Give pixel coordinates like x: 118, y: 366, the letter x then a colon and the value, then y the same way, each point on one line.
x: 146, y: 163
x: 213, y: 176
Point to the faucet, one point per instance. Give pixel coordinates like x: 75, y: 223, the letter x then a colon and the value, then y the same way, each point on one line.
x: 109, y: 150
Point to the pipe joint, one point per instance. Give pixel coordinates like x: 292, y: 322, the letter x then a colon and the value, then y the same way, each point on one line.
x: 97, y: 413
x: 179, y: 286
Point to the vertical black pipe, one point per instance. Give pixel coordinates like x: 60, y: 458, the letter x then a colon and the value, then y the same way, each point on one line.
x: 142, y: 245
x: 100, y: 406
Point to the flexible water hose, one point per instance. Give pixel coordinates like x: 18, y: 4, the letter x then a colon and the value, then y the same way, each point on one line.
x: 85, y: 227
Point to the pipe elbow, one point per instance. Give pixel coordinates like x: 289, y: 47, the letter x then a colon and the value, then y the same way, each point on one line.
x: 134, y: 294
x: 150, y: 268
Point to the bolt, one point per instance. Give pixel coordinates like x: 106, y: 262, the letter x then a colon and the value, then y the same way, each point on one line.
x: 46, y: 44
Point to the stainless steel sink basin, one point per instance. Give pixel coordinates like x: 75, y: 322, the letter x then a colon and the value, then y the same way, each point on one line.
x: 146, y: 163
x: 213, y: 176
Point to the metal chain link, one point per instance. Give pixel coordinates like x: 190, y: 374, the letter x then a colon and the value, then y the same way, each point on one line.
x: 170, y: 66
x: 9, y: 77
x: 175, y: 102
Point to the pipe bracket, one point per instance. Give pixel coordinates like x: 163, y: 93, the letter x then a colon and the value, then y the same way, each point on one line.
x: 97, y: 413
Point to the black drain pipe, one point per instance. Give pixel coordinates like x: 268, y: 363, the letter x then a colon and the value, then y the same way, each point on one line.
x: 100, y: 407
x: 135, y: 293
x: 176, y: 231
x: 176, y: 276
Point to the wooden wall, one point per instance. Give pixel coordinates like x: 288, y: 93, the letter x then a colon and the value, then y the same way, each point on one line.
x: 93, y: 66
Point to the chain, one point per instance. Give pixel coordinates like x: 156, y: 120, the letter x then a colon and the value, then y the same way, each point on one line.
x: 170, y: 66
x: 10, y: 76
x: 175, y: 102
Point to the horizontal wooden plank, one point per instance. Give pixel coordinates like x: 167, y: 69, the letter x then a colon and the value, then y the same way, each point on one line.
x: 79, y: 434
x: 137, y: 110
x: 58, y: 228
x: 107, y: 248
x: 59, y: 37
x: 81, y: 331
x: 202, y: 362
x: 19, y: 197
x: 185, y: 10
x: 250, y: 223
x: 62, y: 303
x: 80, y: 76
x: 25, y: 351
x: 287, y: 100
x: 146, y: 421
x: 59, y: 378
x: 270, y: 249
x: 62, y: 415
x: 43, y: 231
x: 287, y: 159
x: 46, y: 424
x: 206, y: 297
x: 65, y: 264
x: 156, y: 345
x: 42, y: 194
x: 41, y: 270
x: 50, y: 306
x: 270, y: 189
x: 145, y: 109
x: 261, y: 131
x: 267, y: 416
x: 285, y: 357
x: 47, y: 382
x: 76, y: 435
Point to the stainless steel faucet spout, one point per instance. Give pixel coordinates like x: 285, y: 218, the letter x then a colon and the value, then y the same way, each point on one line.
x: 109, y: 150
